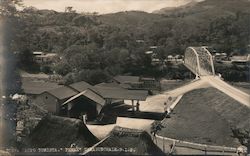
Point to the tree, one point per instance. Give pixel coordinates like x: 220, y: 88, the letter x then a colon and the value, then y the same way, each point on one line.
x: 8, y: 7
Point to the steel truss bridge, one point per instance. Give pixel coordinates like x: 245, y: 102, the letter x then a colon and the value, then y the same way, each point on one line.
x: 200, y: 62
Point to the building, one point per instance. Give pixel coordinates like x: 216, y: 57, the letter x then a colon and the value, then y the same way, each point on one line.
x: 240, y: 59
x: 220, y: 57
x: 51, y: 100
x: 81, y: 98
x: 174, y: 59
x: 98, y: 99
x: 87, y: 102
x: 45, y: 58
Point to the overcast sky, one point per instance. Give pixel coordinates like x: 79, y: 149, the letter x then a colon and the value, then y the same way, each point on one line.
x: 105, y: 6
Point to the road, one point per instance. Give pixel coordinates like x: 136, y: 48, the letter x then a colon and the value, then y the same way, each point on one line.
x: 231, y: 91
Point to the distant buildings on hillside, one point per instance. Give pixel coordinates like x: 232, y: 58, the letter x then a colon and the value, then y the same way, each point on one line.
x: 233, y: 58
x: 45, y: 58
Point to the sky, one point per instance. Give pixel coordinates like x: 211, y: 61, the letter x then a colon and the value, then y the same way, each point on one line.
x: 105, y: 6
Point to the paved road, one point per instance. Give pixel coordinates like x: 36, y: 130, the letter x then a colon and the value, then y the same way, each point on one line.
x: 196, y: 84
x: 152, y: 104
x: 231, y: 91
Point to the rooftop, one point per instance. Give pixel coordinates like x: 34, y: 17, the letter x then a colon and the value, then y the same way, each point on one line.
x: 37, y: 87
x: 80, y: 86
x: 90, y: 95
x: 126, y: 79
x: 120, y: 93
x: 114, y: 85
x: 138, y: 141
x: 62, y: 92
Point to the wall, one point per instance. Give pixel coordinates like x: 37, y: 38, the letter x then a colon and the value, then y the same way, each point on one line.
x: 48, y: 102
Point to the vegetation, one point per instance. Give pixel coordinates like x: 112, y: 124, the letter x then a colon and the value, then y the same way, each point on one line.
x: 106, y: 45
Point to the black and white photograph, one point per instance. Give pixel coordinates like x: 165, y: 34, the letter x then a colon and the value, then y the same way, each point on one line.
x: 124, y: 77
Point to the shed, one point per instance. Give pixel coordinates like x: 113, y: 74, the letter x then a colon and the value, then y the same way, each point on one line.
x: 51, y: 100
x: 87, y: 102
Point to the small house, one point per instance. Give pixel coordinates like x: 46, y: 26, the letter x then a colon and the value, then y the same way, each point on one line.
x: 51, y: 100
x: 45, y: 58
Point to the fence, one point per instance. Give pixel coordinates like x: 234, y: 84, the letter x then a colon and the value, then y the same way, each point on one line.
x: 174, y: 146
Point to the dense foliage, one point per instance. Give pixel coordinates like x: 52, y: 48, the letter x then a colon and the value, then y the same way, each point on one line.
x: 108, y: 44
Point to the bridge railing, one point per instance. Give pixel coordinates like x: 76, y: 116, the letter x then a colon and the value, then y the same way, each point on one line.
x: 169, y: 144
x: 199, y: 61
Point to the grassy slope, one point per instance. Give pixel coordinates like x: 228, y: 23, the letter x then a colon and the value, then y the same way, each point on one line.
x: 207, y: 116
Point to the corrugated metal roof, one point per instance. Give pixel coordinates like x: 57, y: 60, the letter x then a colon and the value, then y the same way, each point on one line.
x: 89, y: 94
x: 118, y: 93
x: 81, y: 86
x: 37, y: 87
x: 126, y: 79
x: 115, y: 85
x: 62, y: 92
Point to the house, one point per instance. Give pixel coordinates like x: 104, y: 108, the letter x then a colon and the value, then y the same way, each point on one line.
x: 81, y: 98
x: 51, y: 100
x: 220, y: 57
x: 240, y: 59
x: 87, y: 102
x: 103, y: 97
x: 44, y: 58
x: 174, y: 59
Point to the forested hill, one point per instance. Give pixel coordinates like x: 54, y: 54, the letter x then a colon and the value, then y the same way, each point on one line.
x: 109, y: 42
x: 221, y: 23
x: 207, y: 8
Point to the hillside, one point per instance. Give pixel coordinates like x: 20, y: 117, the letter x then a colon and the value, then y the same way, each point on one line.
x: 208, y: 8
x: 106, y: 45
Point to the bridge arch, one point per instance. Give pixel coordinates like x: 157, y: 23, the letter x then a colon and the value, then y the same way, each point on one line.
x: 199, y: 60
